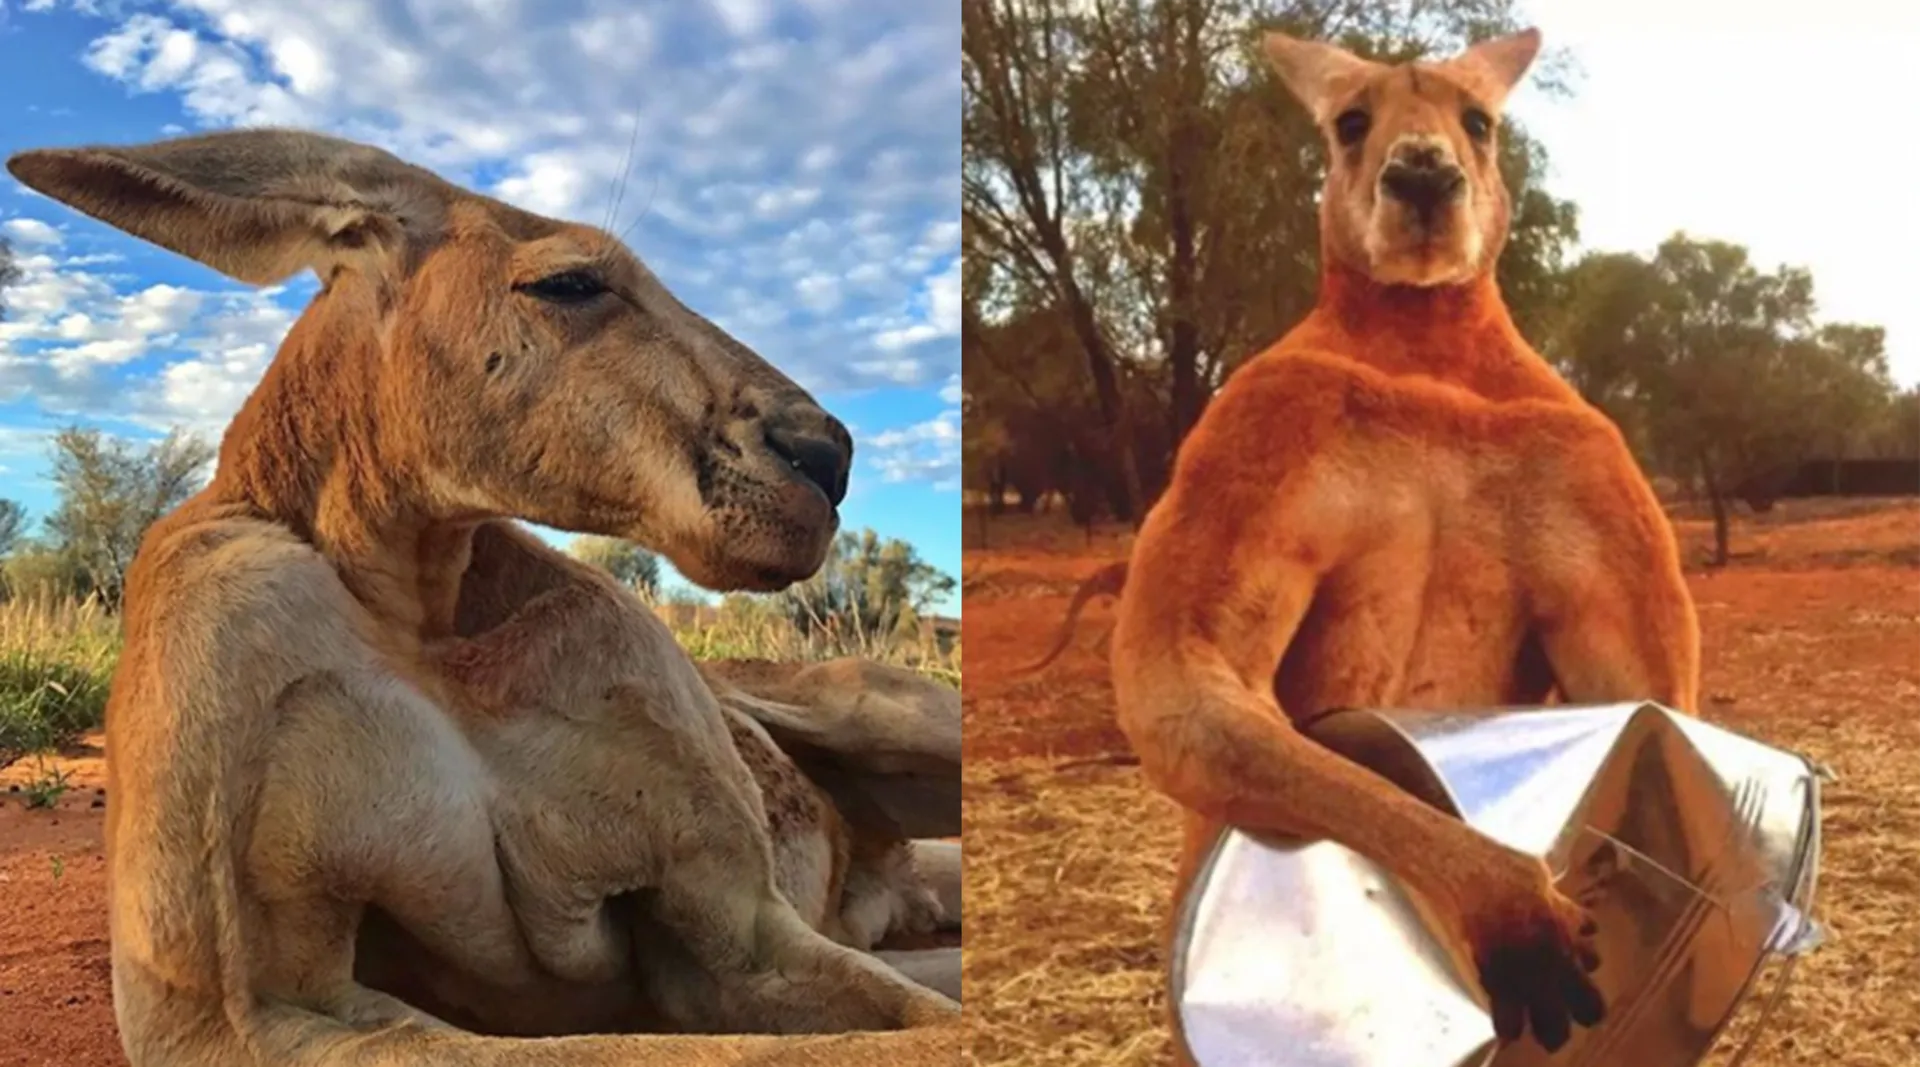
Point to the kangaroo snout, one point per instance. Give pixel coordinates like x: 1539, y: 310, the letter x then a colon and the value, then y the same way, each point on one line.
x: 816, y: 445
x: 1422, y: 176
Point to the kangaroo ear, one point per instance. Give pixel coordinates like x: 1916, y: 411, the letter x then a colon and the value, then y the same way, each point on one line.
x: 1319, y: 75
x: 258, y: 205
x: 1497, y: 65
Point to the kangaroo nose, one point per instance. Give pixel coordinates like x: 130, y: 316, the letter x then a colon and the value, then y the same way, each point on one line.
x: 1423, y: 184
x: 819, y: 449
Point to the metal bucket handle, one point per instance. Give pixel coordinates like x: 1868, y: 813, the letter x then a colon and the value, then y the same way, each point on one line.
x: 1810, y: 934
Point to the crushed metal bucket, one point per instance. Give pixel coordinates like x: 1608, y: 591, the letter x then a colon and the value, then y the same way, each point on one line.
x: 1694, y: 848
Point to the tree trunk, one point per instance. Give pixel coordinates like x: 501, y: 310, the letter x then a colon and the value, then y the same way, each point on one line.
x: 1106, y: 387
x: 1183, y: 335
x: 1717, y: 499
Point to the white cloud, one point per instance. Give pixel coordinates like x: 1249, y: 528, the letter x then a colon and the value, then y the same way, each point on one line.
x: 791, y: 175
x: 779, y: 203
x: 233, y: 350
x: 820, y: 292
x: 626, y: 36
x: 904, y: 370
x: 939, y: 319
x: 924, y: 452
x: 71, y: 334
x: 943, y: 300
x: 823, y: 151
x: 550, y: 183
x: 32, y: 232
x: 744, y: 18
x: 905, y: 337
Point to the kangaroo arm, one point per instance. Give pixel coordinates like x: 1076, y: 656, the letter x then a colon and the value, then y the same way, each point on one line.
x: 1194, y: 655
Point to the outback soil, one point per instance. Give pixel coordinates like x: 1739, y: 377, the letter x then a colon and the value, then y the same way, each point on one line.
x: 1811, y: 642
x: 56, y: 998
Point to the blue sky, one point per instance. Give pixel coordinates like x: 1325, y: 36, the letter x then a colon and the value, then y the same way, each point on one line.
x: 796, y: 162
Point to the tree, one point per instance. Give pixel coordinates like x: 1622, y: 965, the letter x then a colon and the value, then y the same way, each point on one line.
x: 1603, y: 340
x: 13, y: 523
x: 1716, y: 369
x: 1894, y: 432
x: 631, y: 566
x: 110, y: 493
x: 1022, y: 182
x: 866, y: 588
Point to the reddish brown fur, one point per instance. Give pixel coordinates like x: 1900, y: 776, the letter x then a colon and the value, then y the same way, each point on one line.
x: 1398, y: 505
x: 791, y: 803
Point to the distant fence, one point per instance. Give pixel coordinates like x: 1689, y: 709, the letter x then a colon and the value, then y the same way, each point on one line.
x: 1836, y: 477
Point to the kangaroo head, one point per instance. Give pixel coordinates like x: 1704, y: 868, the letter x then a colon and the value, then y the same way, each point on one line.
x: 481, y: 361
x: 1413, y: 194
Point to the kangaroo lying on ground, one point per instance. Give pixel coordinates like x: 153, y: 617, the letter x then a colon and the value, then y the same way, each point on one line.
x: 297, y: 802
x: 1400, y: 504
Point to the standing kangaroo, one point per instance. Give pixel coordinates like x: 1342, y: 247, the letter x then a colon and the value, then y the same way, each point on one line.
x: 298, y: 796
x: 1400, y: 504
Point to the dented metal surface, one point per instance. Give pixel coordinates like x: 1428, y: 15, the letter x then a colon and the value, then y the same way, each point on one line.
x: 1693, y: 847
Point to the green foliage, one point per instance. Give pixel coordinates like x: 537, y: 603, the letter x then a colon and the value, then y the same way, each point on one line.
x: 631, y: 566
x: 1897, y: 432
x: 110, y: 492
x: 869, y: 588
x: 45, y: 791
x: 13, y: 524
x: 38, y: 572
x: 56, y: 660
x: 1717, y: 370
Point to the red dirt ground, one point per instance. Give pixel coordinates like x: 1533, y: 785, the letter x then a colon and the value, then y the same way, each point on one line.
x: 56, y: 1006
x: 1811, y: 641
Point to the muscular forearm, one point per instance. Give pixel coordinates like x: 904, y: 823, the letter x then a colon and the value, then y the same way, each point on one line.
x: 1220, y: 748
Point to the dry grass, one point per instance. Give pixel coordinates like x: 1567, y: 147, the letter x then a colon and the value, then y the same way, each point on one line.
x: 1067, y: 878
x: 775, y: 638
x: 57, y: 658
x: 1811, y: 641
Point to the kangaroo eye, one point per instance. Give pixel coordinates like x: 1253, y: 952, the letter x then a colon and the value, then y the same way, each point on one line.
x: 1477, y: 123
x: 1351, y: 127
x: 567, y: 287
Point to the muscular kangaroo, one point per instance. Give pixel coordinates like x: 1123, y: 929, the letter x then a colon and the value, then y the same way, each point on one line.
x: 1399, y: 504
x: 298, y: 797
